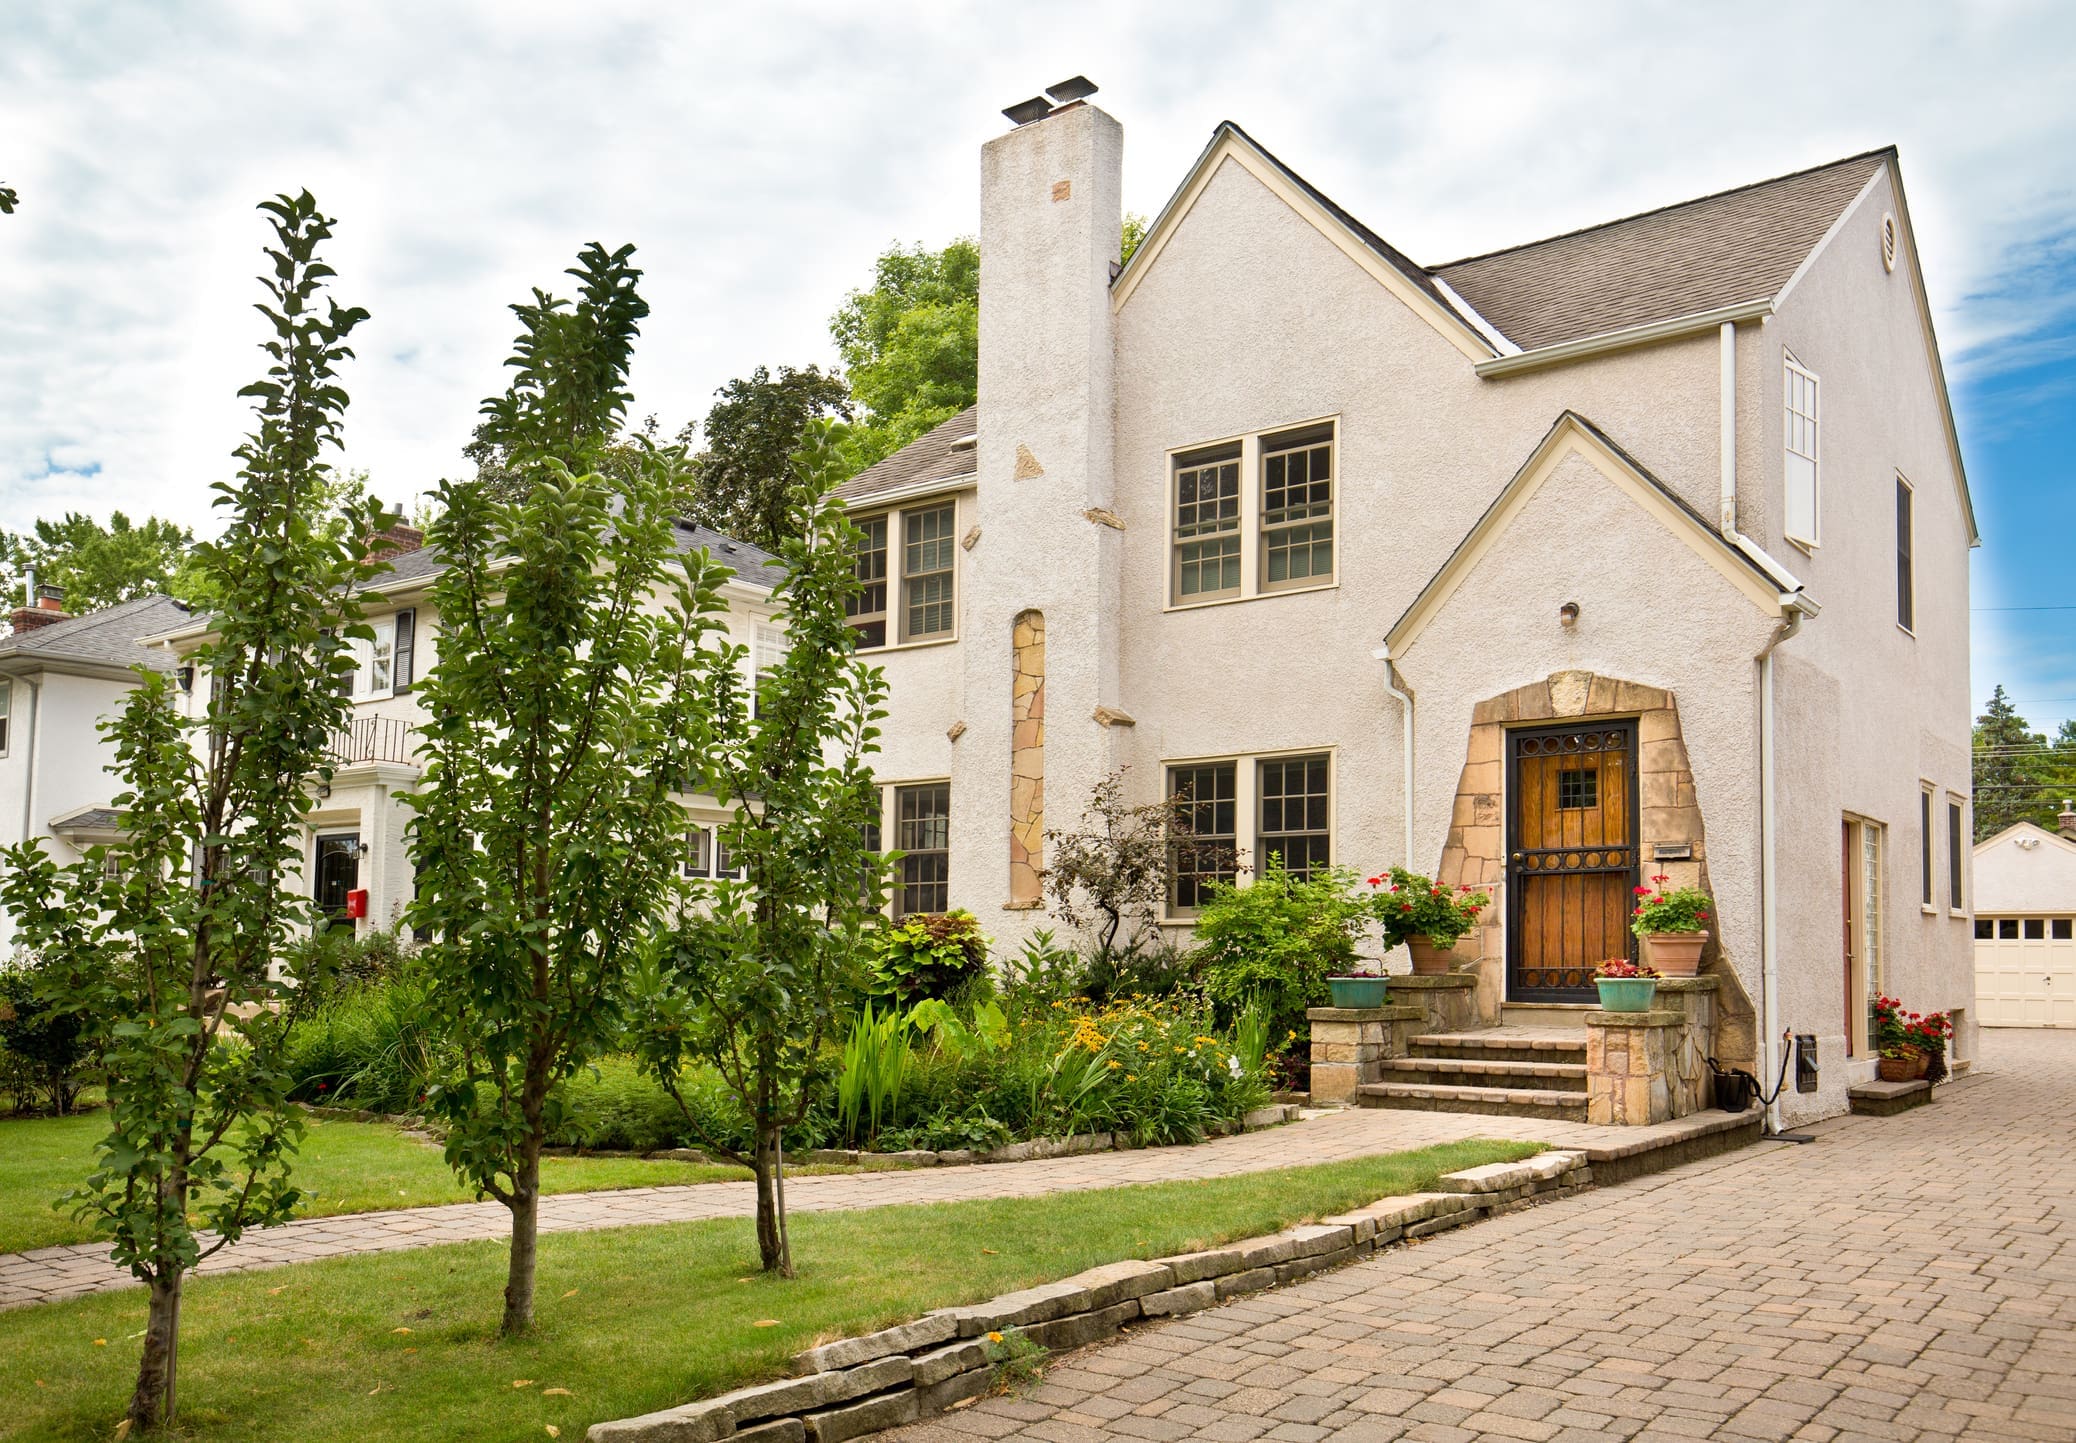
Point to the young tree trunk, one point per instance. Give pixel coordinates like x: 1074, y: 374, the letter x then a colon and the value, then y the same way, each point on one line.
x: 152, y: 1402
x: 771, y: 1221
x: 526, y: 1226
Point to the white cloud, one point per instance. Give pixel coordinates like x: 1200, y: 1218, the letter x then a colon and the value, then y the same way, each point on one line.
x: 760, y: 155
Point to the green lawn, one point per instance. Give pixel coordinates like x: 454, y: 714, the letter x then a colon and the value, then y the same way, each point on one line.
x: 401, y: 1346
x: 344, y: 1167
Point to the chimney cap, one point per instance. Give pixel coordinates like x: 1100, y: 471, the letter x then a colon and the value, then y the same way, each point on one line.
x: 1026, y: 111
x: 1069, y: 91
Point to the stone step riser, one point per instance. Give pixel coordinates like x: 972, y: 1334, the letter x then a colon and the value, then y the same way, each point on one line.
x: 1502, y: 1052
x: 1567, y: 1112
x: 1471, y: 1075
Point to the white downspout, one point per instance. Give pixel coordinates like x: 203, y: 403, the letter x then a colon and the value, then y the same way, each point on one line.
x: 1405, y: 702
x: 32, y: 731
x: 1795, y: 607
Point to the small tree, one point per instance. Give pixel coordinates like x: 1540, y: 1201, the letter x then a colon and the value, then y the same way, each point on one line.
x: 157, y: 959
x: 1109, y: 878
x: 752, y: 984
x: 564, y: 724
x: 43, y: 1047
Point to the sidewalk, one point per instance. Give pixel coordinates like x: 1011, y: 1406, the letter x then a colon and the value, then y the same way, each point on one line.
x: 47, y: 1274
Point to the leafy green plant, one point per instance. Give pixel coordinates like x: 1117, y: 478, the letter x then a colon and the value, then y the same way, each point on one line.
x: 1276, y: 941
x: 928, y: 954
x: 1017, y: 1359
x: 875, y: 1067
x: 1042, y: 969
x: 988, y: 1034
x: 43, y: 1047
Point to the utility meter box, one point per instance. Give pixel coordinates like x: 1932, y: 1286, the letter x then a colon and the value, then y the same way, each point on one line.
x: 357, y: 902
x: 1805, y: 1062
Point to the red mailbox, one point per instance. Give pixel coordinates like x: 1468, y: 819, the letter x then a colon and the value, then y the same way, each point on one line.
x: 357, y: 902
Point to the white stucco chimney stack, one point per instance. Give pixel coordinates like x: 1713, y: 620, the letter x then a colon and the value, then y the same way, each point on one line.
x: 2067, y: 820
x: 1051, y: 209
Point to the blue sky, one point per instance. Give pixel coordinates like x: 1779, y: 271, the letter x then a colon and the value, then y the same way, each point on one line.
x: 760, y: 155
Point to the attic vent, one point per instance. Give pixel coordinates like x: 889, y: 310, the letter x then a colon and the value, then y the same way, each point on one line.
x: 1888, y: 242
x: 964, y: 443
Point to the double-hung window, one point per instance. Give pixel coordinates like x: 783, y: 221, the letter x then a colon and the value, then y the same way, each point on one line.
x: 1297, y: 508
x: 1207, y: 524
x: 768, y: 655
x: 1956, y: 859
x: 1206, y: 828
x: 1906, y: 572
x: 1291, y: 804
x: 922, y: 834
x: 1800, y: 430
x: 699, y: 852
x: 907, y: 573
x: 6, y: 710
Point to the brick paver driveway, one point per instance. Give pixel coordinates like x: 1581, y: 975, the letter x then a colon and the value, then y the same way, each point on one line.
x: 1900, y: 1278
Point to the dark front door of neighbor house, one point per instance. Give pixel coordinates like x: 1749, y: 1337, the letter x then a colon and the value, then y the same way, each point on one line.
x: 338, y: 872
x: 1572, y: 857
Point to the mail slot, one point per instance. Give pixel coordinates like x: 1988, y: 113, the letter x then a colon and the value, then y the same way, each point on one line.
x: 357, y: 902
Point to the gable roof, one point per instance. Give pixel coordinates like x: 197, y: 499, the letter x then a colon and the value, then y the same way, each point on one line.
x: 753, y: 565
x: 1699, y: 255
x: 2020, y: 829
x: 1572, y: 434
x: 929, y: 458
x: 108, y: 639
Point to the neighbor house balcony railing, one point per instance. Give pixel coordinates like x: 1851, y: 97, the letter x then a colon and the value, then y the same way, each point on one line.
x: 373, y: 739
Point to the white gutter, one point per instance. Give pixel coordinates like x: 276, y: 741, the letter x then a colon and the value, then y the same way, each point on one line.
x: 1405, y: 701
x: 1628, y: 337
x: 964, y: 481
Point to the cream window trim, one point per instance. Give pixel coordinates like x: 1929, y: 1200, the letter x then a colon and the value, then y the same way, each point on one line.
x: 1802, y: 443
x: 1906, y: 555
x: 1247, y: 808
x: 1931, y: 823
x: 1253, y: 585
x: 1959, y: 883
x: 890, y: 835
x: 895, y: 616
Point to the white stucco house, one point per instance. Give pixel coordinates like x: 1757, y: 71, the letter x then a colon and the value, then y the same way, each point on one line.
x: 1639, y: 550
x: 60, y: 676
x: 2025, y: 925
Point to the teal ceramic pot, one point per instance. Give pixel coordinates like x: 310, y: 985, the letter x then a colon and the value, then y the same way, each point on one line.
x: 1356, y: 991
x: 1626, y: 994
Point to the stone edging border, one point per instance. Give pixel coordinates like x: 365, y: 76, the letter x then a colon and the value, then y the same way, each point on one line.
x: 858, y: 1386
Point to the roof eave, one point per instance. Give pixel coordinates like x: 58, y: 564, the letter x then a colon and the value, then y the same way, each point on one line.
x: 914, y: 490
x: 1650, y: 333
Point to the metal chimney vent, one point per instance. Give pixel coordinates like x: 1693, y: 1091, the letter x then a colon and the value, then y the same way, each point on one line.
x: 1026, y: 111
x: 1069, y: 91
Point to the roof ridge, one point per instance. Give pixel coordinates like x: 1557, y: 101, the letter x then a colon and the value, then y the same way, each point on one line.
x: 1887, y: 151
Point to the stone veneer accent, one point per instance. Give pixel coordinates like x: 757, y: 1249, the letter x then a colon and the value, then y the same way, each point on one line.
x: 1646, y: 1067
x: 1474, y: 852
x: 1027, y: 762
x: 1351, y: 1044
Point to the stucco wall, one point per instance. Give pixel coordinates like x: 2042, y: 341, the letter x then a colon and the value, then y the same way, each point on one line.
x: 2012, y: 877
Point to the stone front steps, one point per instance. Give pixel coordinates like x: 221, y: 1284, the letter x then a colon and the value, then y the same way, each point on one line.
x: 1500, y: 1072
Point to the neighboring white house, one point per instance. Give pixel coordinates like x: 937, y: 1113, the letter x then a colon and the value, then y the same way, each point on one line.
x: 357, y: 853
x: 1641, y: 550
x: 60, y: 676
x: 2025, y: 925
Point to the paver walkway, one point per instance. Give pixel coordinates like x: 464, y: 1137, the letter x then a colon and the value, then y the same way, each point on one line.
x: 46, y: 1274
x: 1906, y: 1278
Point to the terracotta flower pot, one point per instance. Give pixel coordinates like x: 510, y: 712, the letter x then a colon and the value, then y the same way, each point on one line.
x: 1430, y: 959
x: 1921, y: 1064
x: 1897, y: 1069
x: 1674, y: 954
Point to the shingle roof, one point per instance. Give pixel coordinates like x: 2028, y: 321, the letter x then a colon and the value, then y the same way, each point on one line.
x: 108, y: 637
x: 1736, y: 245
x: 929, y: 457
x: 752, y: 564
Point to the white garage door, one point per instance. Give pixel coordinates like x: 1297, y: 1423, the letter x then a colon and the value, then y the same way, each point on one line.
x: 2025, y: 971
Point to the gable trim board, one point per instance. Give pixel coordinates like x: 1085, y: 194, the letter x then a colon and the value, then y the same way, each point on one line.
x: 1630, y: 337
x: 1229, y: 142
x: 2022, y: 829
x: 1573, y: 435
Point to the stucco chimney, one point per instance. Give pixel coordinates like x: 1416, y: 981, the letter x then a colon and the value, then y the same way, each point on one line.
x: 2067, y: 820
x: 1051, y: 207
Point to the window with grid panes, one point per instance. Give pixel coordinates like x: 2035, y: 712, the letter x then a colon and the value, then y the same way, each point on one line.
x: 868, y: 609
x: 1207, y: 827
x: 1297, y: 508
x: 1800, y: 429
x: 922, y: 834
x: 699, y: 852
x: 927, y: 550
x: 1293, y: 804
x: 1207, y: 524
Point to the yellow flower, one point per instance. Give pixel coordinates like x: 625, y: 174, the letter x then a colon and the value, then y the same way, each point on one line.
x: 1131, y: 1077
x: 1115, y: 1065
x: 994, y: 1337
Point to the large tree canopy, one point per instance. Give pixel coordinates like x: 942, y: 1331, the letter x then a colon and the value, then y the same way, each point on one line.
x: 2020, y: 775
x: 97, y: 565
x: 910, y: 344
x: 743, y: 478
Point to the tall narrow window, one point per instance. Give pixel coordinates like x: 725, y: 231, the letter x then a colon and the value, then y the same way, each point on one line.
x: 406, y: 656
x: 768, y: 655
x: 6, y: 709
x: 699, y: 851
x: 381, y: 657
x: 1955, y: 859
x: 1293, y: 822
x: 926, y: 572
x: 922, y: 834
x: 1924, y: 841
x: 1207, y: 524
x: 868, y: 609
x: 1297, y: 508
x: 1207, y: 819
x: 1800, y: 424
x: 1906, y: 579
x: 1873, y: 906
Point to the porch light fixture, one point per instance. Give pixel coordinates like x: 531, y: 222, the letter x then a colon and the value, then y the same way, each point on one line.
x: 1568, y: 614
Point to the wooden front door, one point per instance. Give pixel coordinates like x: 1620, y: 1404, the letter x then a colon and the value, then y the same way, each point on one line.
x: 1572, y: 857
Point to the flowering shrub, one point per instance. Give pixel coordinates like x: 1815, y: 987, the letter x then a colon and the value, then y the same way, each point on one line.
x: 1619, y: 968
x: 1898, y: 1033
x: 1683, y: 909
x: 1416, y: 906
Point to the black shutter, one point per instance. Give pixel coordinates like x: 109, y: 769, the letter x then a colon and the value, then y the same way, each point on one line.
x: 402, y: 654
